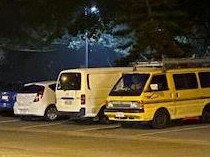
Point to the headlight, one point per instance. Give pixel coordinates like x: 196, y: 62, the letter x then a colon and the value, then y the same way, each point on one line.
x: 136, y: 104
x: 109, y: 105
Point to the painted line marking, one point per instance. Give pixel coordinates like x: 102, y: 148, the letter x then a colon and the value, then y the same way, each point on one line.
x: 43, y: 125
x: 9, y: 121
x: 175, y: 130
x: 99, y: 128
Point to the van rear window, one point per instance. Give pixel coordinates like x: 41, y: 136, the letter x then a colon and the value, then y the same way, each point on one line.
x: 69, y: 81
x: 52, y: 86
x: 32, y: 89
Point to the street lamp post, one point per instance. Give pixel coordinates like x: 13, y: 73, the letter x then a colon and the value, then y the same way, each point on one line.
x: 86, y: 42
x: 92, y: 10
x: 86, y: 50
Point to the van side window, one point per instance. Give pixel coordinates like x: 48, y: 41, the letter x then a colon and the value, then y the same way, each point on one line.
x: 161, y: 81
x: 185, y: 81
x: 204, y: 79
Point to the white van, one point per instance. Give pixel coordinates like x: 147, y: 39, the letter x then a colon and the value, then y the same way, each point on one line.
x: 82, y: 92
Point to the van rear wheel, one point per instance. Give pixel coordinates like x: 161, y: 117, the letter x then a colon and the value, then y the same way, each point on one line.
x: 160, y: 119
x: 51, y: 113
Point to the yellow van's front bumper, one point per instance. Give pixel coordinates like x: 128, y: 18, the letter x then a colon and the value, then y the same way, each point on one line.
x: 123, y: 116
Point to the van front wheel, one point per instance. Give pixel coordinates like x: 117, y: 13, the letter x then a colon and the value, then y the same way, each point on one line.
x: 206, y: 115
x: 102, y: 118
x: 51, y: 113
x: 160, y: 119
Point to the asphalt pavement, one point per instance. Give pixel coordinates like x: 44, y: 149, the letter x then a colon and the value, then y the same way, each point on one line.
x: 64, y: 138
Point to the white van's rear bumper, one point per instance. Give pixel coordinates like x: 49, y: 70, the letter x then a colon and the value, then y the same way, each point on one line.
x: 76, y: 115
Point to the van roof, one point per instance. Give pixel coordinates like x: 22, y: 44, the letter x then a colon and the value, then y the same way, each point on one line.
x: 175, y: 64
x: 98, y: 69
x: 190, y: 69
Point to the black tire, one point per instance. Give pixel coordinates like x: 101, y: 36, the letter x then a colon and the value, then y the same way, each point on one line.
x: 102, y: 118
x: 51, y: 113
x: 161, y: 119
x: 125, y: 124
x: 206, y: 115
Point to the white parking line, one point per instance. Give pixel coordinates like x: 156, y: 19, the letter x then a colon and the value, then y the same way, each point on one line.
x: 175, y: 130
x: 43, y: 125
x: 9, y: 121
x: 99, y: 128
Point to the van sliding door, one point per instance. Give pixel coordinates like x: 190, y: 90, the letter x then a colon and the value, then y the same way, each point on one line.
x: 187, y: 95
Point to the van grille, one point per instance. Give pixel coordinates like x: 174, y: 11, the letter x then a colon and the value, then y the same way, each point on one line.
x: 125, y: 110
x: 121, y: 105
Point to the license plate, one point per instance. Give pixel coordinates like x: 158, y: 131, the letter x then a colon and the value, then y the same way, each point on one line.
x: 120, y: 114
x: 68, y: 102
x: 23, y: 111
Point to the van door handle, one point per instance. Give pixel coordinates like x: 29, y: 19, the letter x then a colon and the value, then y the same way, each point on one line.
x: 67, y: 98
x: 177, y: 95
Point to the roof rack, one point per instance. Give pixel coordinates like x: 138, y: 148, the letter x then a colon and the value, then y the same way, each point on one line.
x: 175, y: 63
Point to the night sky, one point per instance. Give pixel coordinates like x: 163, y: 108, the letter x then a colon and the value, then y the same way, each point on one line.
x: 125, y: 30
x: 36, y: 66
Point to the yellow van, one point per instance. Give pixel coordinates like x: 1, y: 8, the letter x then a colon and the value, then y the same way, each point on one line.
x: 82, y: 92
x: 158, y: 94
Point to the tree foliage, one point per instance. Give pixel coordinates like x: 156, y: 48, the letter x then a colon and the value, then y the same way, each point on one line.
x: 35, y: 21
x: 171, y: 28
x: 165, y: 28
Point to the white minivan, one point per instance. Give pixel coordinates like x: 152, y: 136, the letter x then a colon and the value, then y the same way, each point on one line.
x: 82, y: 92
x: 37, y: 99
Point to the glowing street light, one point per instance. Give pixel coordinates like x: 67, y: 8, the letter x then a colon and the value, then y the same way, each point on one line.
x: 94, y: 10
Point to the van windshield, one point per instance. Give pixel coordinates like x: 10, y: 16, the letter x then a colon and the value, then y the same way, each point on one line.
x: 130, y: 85
x: 69, y: 81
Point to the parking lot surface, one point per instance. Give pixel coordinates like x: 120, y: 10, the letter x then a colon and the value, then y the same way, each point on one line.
x: 67, y: 138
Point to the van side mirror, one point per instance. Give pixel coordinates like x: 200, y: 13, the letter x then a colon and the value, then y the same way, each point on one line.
x: 154, y: 87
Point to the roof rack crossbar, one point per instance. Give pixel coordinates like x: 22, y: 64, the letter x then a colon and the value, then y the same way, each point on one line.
x: 175, y: 63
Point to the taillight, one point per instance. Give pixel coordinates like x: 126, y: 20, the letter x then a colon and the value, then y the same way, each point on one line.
x: 83, y: 99
x: 39, y: 96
